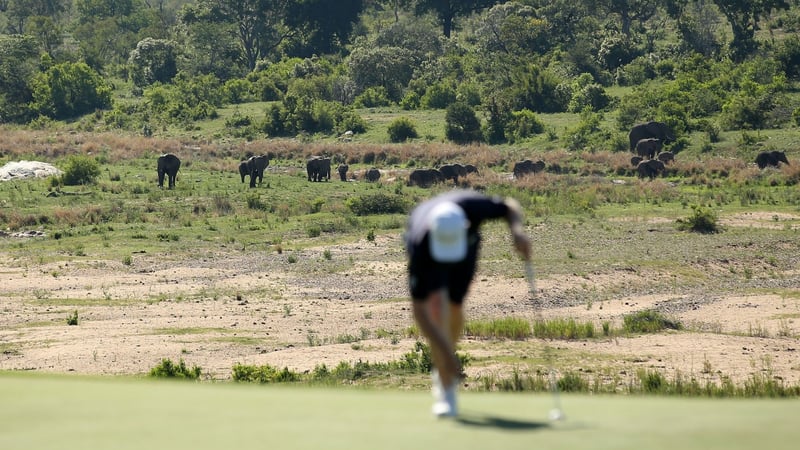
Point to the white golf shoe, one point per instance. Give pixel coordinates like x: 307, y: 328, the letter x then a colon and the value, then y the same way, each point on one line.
x: 445, y: 404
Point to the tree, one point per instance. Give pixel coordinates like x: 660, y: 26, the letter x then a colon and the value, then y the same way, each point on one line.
x: 69, y: 90
x: 447, y: 10
x: 743, y: 17
x: 19, y: 12
x: 326, y: 25
x: 153, y: 60
x: 18, y: 64
x: 258, y: 25
x: 629, y: 11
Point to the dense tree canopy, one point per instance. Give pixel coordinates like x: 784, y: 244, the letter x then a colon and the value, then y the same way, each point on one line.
x: 686, y: 61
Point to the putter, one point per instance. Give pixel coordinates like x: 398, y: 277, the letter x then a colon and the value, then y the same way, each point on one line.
x: 556, y: 413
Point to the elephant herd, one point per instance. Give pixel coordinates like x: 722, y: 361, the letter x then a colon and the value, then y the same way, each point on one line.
x: 429, y: 177
x: 646, y: 141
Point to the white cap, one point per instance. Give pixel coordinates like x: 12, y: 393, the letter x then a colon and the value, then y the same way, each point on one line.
x: 448, y: 233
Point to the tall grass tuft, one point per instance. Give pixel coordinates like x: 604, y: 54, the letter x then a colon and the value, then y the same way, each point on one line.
x: 563, y: 329
x: 506, y: 327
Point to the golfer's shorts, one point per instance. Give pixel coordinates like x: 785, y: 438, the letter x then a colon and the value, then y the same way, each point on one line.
x: 426, y: 276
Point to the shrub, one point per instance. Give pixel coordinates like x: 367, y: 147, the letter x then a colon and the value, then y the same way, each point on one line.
x: 373, y: 97
x: 168, y: 369
x: 439, y: 96
x: 379, y: 203
x: 702, y: 220
x: 462, y: 125
x: 402, y: 129
x: 648, y: 321
x: 523, y: 124
x: 80, y: 170
x: 262, y: 374
x: 72, y: 319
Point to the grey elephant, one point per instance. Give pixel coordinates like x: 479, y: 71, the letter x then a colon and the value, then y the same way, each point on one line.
x: 453, y: 171
x: 425, y: 177
x: 372, y: 175
x: 523, y: 168
x: 658, y: 130
x: 773, y: 158
x: 168, y: 164
x: 318, y: 168
x: 470, y: 168
x: 635, y: 160
x: 254, y: 167
x: 650, y: 168
x: 648, y: 147
x: 342, y: 169
x: 666, y: 157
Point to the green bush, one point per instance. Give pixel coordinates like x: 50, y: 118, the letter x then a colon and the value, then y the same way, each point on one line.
x: 168, y: 369
x: 80, y: 170
x: 462, y: 125
x: 379, y: 203
x: 402, y: 129
x: 373, y: 97
x: 262, y: 374
x: 523, y: 124
x: 69, y: 90
x: 648, y: 321
x: 439, y: 96
x: 702, y: 220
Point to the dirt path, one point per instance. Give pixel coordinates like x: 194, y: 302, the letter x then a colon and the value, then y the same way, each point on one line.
x: 256, y: 309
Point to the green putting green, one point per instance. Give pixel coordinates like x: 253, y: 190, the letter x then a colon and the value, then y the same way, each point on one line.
x: 66, y: 412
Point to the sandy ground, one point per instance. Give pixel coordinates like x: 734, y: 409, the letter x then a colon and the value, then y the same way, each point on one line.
x: 215, y: 314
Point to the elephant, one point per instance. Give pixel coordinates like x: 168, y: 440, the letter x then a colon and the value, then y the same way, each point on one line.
x: 525, y: 167
x: 425, y: 177
x: 168, y: 164
x: 773, y: 158
x: 470, y: 168
x: 342, y: 169
x: 254, y: 166
x: 666, y: 157
x: 635, y: 160
x: 453, y: 171
x: 650, y: 168
x: 318, y: 168
x: 648, y: 147
x: 658, y: 130
x: 372, y: 175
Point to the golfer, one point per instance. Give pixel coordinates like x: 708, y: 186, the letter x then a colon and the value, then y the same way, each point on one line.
x: 442, y: 240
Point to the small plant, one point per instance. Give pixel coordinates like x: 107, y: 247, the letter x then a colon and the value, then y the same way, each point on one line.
x: 127, y: 260
x: 327, y: 254
x: 168, y: 369
x: 702, y: 220
x: 72, y: 319
x: 287, y: 310
x: 291, y: 259
x: 371, y: 236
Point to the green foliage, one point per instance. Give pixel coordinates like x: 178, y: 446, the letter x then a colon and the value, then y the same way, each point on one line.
x: 379, y: 203
x: 462, y: 125
x: 262, y: 374
x: 702, y: 220
x: 402, y: 129
x: 80, y: 170
x: 563, y: 329
x: 68, y: 90
x: 506, y: 327
x: 167, y: 369
x: 439, y: 95
x: 648, y: 321
x: 72, y: 319
x: 523, y: 124
x: 153, y: 60
x: 372, y: 97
